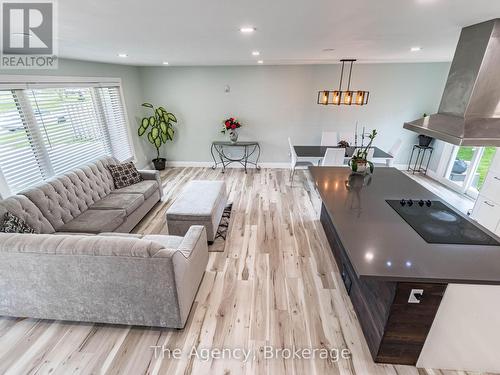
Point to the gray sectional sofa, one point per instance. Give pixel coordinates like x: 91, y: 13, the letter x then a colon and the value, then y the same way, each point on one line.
x: 85, y: 200
x: 82, y: 265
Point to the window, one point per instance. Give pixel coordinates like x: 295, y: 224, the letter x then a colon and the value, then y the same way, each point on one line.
x: 45, y: 131
x: 468, y: 167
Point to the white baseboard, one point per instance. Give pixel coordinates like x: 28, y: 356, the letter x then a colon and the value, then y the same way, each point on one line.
x: 205, y: 164
x: 272, y: 165
x: 432, y: 174
x: 184, y: 164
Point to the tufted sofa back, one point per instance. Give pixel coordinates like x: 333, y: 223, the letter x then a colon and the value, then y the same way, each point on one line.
x: 24, y: 209
x: 67, y: 196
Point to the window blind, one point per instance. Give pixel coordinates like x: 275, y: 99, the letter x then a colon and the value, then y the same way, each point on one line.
x: 70, y: 126
x: 47, y: 130
x: 19, y: 155
x: 114, y: 115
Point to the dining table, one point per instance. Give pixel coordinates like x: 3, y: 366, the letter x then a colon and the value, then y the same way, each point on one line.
x: 318, y: 152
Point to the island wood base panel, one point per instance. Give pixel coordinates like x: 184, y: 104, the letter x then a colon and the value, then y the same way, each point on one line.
x: 394, y: 329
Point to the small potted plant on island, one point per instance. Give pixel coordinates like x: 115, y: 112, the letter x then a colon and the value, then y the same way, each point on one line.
x: 359, y: 163
x: 343, y: 144
x: 230, y: 125
x: 160, y: 131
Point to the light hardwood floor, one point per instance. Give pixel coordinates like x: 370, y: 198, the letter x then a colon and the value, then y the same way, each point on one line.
x: 275, y: 284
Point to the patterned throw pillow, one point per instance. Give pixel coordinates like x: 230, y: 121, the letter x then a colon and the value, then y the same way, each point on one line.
x: 13, y: 224
x: 124, y: 174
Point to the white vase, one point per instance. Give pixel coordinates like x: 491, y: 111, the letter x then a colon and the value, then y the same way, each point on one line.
x: 233, y: 136
x: 362, y: 168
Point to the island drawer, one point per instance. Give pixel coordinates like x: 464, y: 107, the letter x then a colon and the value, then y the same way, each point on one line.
x: 491, y: 187
x: 487, y: 213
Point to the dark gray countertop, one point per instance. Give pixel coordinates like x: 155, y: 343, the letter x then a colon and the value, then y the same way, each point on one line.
x: 380, y: 244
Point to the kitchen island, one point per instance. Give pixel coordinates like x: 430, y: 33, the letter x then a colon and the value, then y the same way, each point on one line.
x: 412, y: 297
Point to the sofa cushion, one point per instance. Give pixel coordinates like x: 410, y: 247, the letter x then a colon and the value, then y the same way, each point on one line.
x: 67, y: 196
x: 95, y: 221
x: 167, y: 242
x: 13, y: 224
x: 77, y: 245
x: 124, y: 174
x: 127, y: 202
x: 147, y: 188
x: 26, y: 210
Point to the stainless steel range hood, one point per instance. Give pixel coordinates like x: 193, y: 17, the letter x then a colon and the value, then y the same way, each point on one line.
x: 469, y: 113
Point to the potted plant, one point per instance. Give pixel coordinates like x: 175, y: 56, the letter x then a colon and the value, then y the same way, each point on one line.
x: 343, y: 144
x: 359, y: 162
x: 230, y: 125
x: 424, y: 140
x: 160, y: 131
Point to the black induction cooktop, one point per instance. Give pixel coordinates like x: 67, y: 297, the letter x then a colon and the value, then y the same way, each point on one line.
x: 437, y: 223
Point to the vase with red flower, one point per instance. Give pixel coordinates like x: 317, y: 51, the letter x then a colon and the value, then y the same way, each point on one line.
x: 230, y: 125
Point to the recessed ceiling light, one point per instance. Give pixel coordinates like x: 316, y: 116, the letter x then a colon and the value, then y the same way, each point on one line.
x: 122, y: 55
x: 260, y: 62
x: 165, y: 63
x: 256, y: 53
x: 328, y: 49
x: 247, y: 29
x: 415, y: 49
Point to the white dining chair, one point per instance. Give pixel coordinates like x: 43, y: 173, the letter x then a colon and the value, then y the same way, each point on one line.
x: 369, y: 157
x: 329, y: 138
x: 294, y: 163
x: 347, y: 136
x: 334, y: 157
x: 394, y: 151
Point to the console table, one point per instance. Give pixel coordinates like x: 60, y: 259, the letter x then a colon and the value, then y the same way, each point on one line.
x: 250, y: 148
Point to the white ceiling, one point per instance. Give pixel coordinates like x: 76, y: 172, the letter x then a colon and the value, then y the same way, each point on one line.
x: 206, y: 32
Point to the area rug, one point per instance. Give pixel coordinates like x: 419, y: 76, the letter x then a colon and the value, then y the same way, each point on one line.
x: 222, y: 231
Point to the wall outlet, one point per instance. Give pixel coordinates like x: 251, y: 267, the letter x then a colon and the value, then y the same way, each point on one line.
x: 415, y: 295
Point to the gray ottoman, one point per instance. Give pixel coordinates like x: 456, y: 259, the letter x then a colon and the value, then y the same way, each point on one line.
x: 200, y: 203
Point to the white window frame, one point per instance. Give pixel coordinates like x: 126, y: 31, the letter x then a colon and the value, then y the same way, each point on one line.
x: 445, y: 165
x: 26, y: 82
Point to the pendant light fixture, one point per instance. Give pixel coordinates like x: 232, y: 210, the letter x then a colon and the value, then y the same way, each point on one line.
x: 347, y: 97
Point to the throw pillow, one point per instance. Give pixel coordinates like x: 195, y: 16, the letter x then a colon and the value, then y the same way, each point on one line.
x: 13, y: 224
x: 124, y: 174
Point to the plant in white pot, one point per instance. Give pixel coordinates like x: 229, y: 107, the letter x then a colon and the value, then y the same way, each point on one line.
x: 160, y: 129
x: 359, y: 162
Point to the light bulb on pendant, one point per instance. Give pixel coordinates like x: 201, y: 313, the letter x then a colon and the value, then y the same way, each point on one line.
x: 360, y: 97
x: 325, y: 97
x: 336, y: 97
x: 348, y: 98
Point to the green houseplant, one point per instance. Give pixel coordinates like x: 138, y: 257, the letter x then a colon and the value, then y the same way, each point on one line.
x: 160, y: 131
x: 359, y: 162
